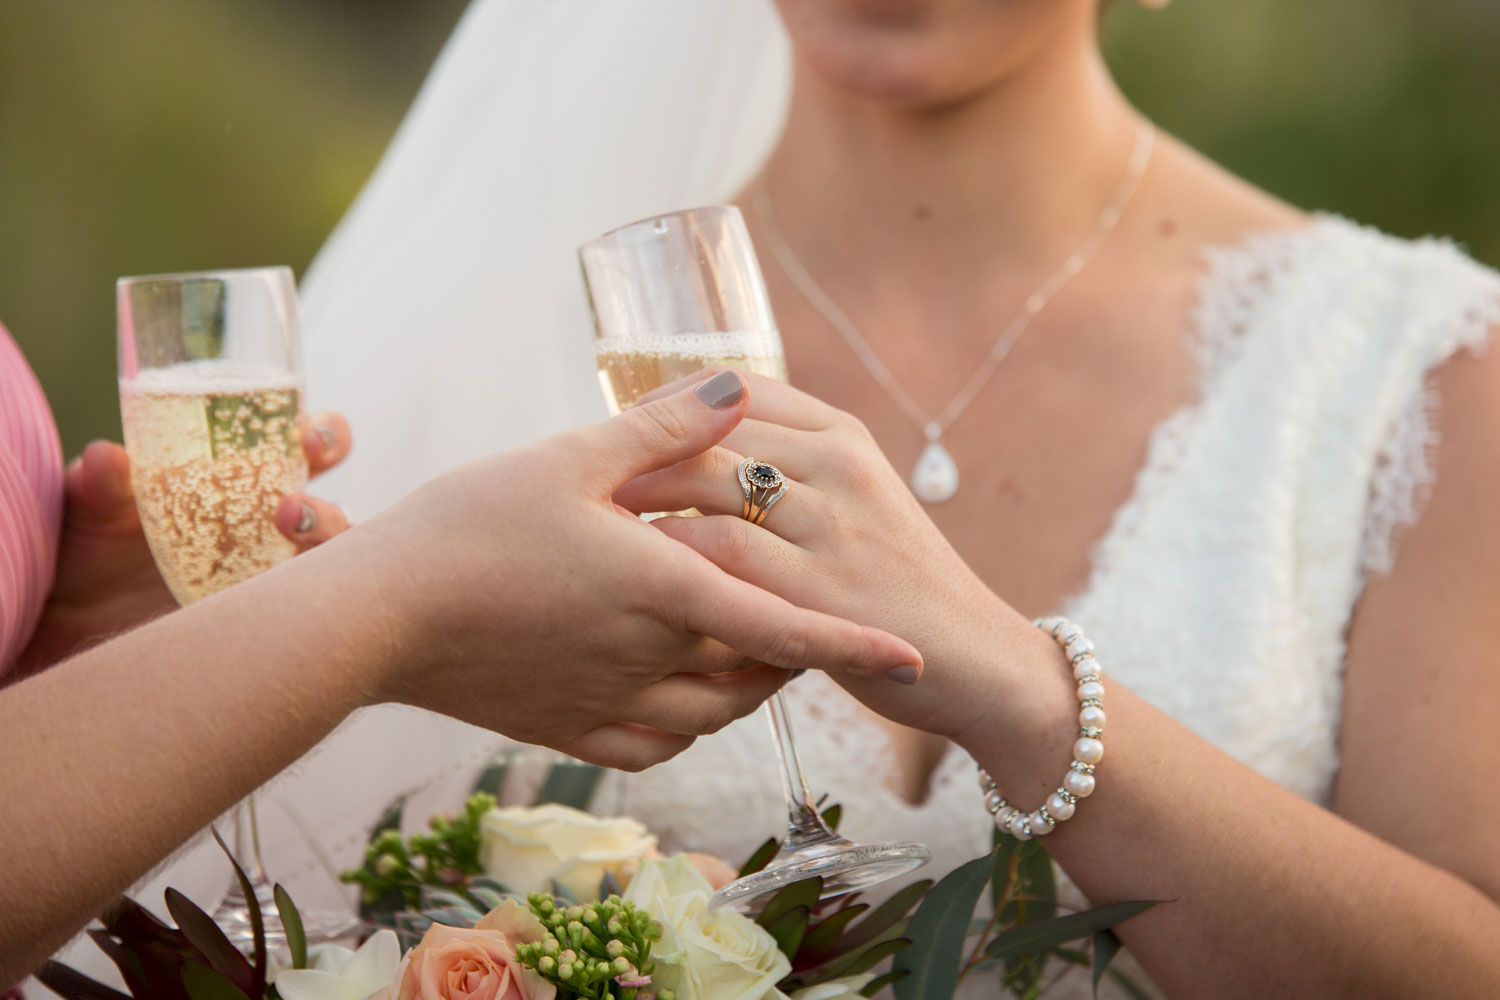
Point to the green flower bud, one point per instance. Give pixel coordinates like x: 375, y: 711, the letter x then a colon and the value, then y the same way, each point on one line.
x: 569, y: 957
x: 550, y: 946
x: 386, y: 865
x: 620, y: 966
x: 666, y: 995
x: 565, y: 971
x: 546, y: 964
x: 615, y: 948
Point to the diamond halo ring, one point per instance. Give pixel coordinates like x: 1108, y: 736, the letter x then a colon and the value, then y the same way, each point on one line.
x: 763, y: 485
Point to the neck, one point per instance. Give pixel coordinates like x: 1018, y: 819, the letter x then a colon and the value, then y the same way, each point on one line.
x: 1012, y: 176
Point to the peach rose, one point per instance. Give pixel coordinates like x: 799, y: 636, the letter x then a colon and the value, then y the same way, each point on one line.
x: 455, y: 963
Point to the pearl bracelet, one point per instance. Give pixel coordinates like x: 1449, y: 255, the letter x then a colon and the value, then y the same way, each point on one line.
x: 1078, y: 783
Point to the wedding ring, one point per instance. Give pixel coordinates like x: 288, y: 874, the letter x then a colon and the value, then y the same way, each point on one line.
x: 763, y: 485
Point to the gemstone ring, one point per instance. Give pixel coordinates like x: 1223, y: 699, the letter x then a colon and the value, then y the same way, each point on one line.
x: 763, y: 485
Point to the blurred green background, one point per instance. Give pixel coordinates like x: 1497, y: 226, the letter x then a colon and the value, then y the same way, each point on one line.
x: 165, y: 135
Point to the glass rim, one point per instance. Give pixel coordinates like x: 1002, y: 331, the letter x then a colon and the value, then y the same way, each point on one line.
x: 675, y: 213
x: 221, y: 273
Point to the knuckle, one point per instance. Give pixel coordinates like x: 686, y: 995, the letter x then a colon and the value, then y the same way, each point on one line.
x: 732, y: 543
x: 791, y: 647
x: 661, y: 424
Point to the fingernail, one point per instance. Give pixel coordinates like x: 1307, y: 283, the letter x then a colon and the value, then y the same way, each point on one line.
x: 326, y: 435
x: 722, y: 391
x: 907, y: 673
x: 797, y: 673
x: 309, y: 518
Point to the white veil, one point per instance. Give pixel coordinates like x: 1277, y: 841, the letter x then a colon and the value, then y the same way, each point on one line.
x: 445, y: 316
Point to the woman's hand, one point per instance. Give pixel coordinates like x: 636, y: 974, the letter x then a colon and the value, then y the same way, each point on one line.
x: 106, y: 580
x: 520, y: 597
x: 849, y: 538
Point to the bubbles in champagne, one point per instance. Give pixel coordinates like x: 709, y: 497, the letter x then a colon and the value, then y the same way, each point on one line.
x: 213, y: 450
x: 630, y: 367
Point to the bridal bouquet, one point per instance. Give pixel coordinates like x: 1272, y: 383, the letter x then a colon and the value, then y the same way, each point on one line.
x: 548, y: 902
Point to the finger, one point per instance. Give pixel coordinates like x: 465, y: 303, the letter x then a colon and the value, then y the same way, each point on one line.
x: 626, y: 747
x: 699, y: 704
x: 672, y: 388
x: 665, y: 431
x: 308, y: 521
x: 711, y: 483
x: 771, y: 400
x: 771, y: 630
x: 326, y: 441
x: 97, y: 483
x: 743, y: 550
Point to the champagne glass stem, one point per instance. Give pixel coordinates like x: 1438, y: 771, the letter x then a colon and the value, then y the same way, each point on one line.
x: 247, y: 841
x: 803, y: 821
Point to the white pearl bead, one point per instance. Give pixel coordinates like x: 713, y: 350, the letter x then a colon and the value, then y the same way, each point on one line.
x: 1092, y: 716
x: 1083, y: 668
x: 1078, y: 647
x: 1070, y: 632
x: 1090, y: 689
x: 1079, y: 784
x: 1039, y: 826
x: 1060, y: 808
x: 1088, y: 750
x: 992, y: 799
x: 1018, y: 827
x: 1004, y: 816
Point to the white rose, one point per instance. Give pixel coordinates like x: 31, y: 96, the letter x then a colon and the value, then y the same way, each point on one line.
x: 526, y: 849
x: 704, y: 954
x: 845, y: 988
x: 336, y: 973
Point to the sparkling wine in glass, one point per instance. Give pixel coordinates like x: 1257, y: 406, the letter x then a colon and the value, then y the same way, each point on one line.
x: 673, y: 295
x: 210, y: 392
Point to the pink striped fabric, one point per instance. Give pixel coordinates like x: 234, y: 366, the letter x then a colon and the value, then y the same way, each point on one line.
x: 31, y: 495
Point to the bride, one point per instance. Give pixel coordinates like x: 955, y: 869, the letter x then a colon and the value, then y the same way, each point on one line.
x: 1200, y: 422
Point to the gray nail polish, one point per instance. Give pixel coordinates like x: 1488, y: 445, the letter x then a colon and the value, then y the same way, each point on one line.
x: 722, y: 391
x: 307, y: 520
x: 907, y: 673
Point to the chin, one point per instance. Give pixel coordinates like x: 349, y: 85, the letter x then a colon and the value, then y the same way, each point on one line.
x: 919, y: 52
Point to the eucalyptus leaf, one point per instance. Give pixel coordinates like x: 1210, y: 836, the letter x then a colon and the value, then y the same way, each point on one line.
x: 804, y: 894
x: 762, y: 857
x: 1129, y: 985
x: 487, y: 896
x: 877, y: 954
x: 1073, y: 956
x: 203, y: 983
x: 879, y: 983
x: 885, y: 916
x: 1005, y: 849
x: 205, y: 935
x: 291, y: 923
x: 832, y: 815
x: 823, y: 937
x: 570, y: 783
x: 609, y: 885
x: 493, y: 777
x: 70, y: 984
x: 937, y: 933
x: 1045, y: 935
x: 1106, y: 946
x: 789, y: 930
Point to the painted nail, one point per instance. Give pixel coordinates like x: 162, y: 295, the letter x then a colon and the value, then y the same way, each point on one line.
x: 907, y: 673
x: 722, y: 391
x: 309, y: 518
x: 326, y: 435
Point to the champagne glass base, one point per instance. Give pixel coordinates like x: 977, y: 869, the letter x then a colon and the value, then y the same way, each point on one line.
x: 843, y: 865
x: 318, y: 926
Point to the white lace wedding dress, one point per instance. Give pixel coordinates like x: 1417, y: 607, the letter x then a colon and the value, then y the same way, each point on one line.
x: 445, y: 318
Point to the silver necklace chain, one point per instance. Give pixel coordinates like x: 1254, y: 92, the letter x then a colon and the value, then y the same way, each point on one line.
x: 935, y: 427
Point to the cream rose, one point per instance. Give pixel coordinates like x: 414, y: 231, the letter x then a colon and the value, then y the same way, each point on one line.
x: 479, y: 963
x: 846, y: 988
x: 525, y: 849
x: 703, y: 954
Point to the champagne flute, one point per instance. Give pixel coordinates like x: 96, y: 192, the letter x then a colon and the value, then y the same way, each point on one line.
x: 210, y: 391
x: 672, y: 295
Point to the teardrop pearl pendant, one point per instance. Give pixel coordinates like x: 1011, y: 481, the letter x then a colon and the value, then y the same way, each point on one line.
x: 935, y: 477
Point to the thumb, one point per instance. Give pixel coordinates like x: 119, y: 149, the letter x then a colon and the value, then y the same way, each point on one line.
x: 97, y: 483
x: 665, y: 431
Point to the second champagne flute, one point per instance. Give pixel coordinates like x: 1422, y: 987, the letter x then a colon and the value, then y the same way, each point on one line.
x: 210, y: 392
x: 673, y: 295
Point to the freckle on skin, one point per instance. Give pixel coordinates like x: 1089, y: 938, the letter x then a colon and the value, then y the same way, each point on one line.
x: 1168, y: 227
x: 921, y: 213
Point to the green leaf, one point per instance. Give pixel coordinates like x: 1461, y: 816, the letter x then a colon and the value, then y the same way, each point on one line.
x: 1129, y: 985
x: 570, y: 783
x: 493, y: 777
x: 1044, y: 935
x: 291, y: 923
x: 257, y: 926
x: 1072, y: 956
x: 1106, y: 945
x: 203, y: 983
x: 1036, y: 881
x: 886, y: 915
x: 873, y: 957
x: 762, y: 857
x: 205, y: 935
x: 1005, y: 849
x: 70, y: 984
x: 804, y: 894
x: 937, y: 933
x: 823, y: 937
x: 879, y: 983
x: 789, y: 929
x: 832, y: 815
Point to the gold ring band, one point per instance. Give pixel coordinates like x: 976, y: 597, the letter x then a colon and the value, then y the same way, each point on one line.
x: 763, y: 485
